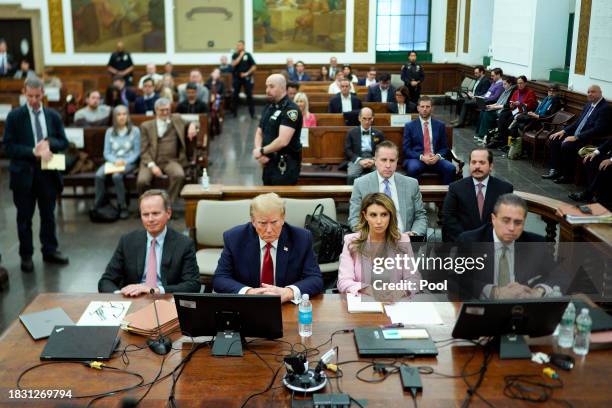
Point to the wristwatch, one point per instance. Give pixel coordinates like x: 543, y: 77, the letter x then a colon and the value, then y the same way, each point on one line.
x: 261, y: 150
x: 152, y: 291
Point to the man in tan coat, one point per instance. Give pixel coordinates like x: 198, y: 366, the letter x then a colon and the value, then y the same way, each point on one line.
x: 163, y: 149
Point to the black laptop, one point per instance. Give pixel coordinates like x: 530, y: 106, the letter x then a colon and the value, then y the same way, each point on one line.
x: 374, y: 342
x: 81, y: 343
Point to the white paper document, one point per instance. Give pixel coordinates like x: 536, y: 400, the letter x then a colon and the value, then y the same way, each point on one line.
x: 57, y: 162
x: 414, y: 313
x: 358, y: 305
x: 111, y: 168
x: 104, y: 313
x: 304, y: 137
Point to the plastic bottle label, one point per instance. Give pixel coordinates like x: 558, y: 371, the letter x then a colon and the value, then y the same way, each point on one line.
x: 305, y: 317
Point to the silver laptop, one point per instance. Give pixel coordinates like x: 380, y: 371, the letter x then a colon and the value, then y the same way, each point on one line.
x: 40, y: 324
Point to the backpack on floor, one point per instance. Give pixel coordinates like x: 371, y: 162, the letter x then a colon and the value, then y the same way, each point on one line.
x: 516, y: 148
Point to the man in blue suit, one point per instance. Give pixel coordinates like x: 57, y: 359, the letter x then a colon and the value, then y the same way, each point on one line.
x: 299, y: 74
x: 32, y: 135
x: 268, y: 256
x: 425, y: 145
x: 593, y: 123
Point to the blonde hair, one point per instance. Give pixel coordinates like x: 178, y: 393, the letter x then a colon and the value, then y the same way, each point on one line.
x: 167, y: 93
x: 302, y: 96
x: 266, y: 204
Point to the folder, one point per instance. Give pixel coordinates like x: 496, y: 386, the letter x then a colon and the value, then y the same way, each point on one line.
x: 143, y: 321
x: 110, y: 168
x: 57, y: 162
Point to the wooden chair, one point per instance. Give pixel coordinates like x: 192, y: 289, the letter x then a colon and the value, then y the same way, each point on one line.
x: 536, y: 134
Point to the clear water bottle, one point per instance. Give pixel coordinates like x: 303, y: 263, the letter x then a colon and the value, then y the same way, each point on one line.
x: 204, y: 182
x: 305, y: 316
x: 583, y: 333
x: 566, y: 328
x: 556, y: 292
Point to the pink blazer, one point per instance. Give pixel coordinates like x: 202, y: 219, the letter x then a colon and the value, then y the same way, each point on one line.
x: 310, y: 121
x: 350, y: 271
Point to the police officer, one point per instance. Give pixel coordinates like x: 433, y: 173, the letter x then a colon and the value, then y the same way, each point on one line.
x: 277, y: 139
x: 413, y: 75
x: 243, y: 66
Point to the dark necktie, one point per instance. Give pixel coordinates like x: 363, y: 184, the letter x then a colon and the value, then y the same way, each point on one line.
x: 39, y: 131
x: 480, y: 199
x: 267, y: 268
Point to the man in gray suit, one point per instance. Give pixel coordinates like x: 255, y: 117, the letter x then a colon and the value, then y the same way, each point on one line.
x: 403, y: 190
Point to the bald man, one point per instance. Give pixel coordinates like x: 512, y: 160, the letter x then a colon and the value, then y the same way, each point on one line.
x: 593, y: 123
x: 277, y: 139
x: 359, y: 146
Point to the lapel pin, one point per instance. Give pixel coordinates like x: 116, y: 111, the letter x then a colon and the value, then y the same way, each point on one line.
x: 286, y: 249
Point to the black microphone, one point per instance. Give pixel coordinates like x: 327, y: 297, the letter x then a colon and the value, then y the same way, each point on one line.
x: 163, y: 344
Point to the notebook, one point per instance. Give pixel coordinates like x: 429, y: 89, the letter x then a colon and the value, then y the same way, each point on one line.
x: 40, y: 324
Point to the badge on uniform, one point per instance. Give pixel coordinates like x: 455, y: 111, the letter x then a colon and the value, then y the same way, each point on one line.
x: 293, y: 114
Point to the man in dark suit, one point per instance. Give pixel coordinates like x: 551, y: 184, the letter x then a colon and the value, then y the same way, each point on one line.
x: 469, y: 202
x: 299, y: 74
x: 157, y: 259
x: 517, y: 263
x: 593, y: 123
x: 6, y: 60
x: 359, y: 146
x: 425, y: 146
x: 599, y: 176
x: 344, y: 101
x: 383, y: 91
x: 146, y: 103
x: 119, y: 93
x: 268, y: 256
x: 192, y: 104
x: 32, y: 135
x: 468, y: 101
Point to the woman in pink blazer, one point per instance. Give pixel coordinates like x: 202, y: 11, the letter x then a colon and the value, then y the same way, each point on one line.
x: 377, y: 237
x: 301, y: 100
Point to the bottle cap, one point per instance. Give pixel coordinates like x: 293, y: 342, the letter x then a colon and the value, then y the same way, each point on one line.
x: 305, y: 296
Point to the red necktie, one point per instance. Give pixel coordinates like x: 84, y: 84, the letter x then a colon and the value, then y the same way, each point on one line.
x: 267, y: 269
x: 480, y: 199
x: 426, y: 141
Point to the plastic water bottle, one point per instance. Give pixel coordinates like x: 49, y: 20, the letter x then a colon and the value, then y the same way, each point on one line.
x: 583, y: 333
x: 305, y: 316
x: 566, y: 328
x: 556, y: 292
x: 204, y: 180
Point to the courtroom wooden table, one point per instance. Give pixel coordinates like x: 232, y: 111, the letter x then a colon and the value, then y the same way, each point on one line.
x: 228, y: 381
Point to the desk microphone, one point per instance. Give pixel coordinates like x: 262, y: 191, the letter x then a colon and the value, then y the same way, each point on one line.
x: 162, y: 345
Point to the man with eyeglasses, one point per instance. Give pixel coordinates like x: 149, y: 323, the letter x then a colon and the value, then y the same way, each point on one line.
x: 359, y: 146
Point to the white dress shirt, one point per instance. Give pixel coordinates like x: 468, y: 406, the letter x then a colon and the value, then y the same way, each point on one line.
x: 368, y: 82
x: 394, y: 197
x: 162, y: 126
x: 431, y: 143
x: 41, y: 118
x: 383, y: 94
x: 484, y: 186
x: 401, y: 109
x: 347, y: 105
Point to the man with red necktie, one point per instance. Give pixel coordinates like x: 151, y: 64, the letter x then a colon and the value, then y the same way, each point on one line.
x: 268, y: 256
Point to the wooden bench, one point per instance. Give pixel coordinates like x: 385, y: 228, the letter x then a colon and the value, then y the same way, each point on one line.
x: 337, y: 119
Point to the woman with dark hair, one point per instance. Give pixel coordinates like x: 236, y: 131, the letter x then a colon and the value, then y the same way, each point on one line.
x: 348, y: 73
x: 121, y: 153
x: 377, y: 237
x: 323, y: 74
x: 402, y: 104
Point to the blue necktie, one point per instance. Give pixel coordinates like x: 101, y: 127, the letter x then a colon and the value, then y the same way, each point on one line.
x: 39, y: 132
x: 584, y: 120
x: 387, y: 190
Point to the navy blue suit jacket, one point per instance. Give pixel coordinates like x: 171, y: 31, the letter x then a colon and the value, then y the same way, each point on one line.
x: 335, y: 104
x: 239, y: 265
x: 19, y: 142
x: 412, y: 142
x: 374, y: 94
x: 294, y: 77
x: 595, y: 126
x: 142, y: 105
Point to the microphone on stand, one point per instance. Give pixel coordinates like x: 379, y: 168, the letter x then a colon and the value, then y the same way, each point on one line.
x: 162, y: 345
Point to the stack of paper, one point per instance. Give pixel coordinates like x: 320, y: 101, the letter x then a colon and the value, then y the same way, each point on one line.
x: 413, y: 313
x: 104, y: 314
x: 573, y: 214
x: 358, y: 305
x: 143, y: 321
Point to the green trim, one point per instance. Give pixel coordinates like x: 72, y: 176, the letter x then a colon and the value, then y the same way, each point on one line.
x: 486, y: 61
x: 402, y: 56
x: 559, y: 75
x: 568, y: 43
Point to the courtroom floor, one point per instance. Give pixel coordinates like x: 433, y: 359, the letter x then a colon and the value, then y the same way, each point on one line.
x: 90, y: 246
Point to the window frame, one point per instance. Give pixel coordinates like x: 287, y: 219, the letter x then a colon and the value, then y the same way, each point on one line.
x: 428, y: 40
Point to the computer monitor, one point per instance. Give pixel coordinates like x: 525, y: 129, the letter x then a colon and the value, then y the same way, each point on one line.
x: 230, y: 318
x: 508, y: 320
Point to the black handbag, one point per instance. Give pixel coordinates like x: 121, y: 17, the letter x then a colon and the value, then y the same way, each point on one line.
x: 327, y: 235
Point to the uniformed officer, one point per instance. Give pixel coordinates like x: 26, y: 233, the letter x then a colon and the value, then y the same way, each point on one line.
x: 243, y: 66
x: 277, y: 139
x: 413, y: 75
x: 120, y: 64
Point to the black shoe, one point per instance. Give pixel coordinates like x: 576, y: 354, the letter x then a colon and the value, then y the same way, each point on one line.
x: 27, y: 265
x: 56, y: 258
x: 551, y: 175
x: 124, y: 213
x: 582, y: 196
x: 562, y: 180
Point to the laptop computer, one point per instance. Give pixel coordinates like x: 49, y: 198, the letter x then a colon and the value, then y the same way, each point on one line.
x: 371, y: 342
x: 480, y: 102
x: 81, y: 343
x: 40, y: 324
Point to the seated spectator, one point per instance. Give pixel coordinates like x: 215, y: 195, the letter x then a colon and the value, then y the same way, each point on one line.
x: 94, y: 114
x: 344, y: 101
x: 224, y: 66
x: 323, y: 74
x: 300, y: 73
x: 467, y: 102
x: 599, y: 176
x: 292, y: 90
x: 370, y: 78
x: 215, y: 86
x: 120, y: 64
x: 496, y: 88
x: 593, y: 123
x: 163, y: 148
x: 359, y: 146
x: 309, y: 119
x: 402, y: 104
x: 523, y: 100
x: 192, y: 104
x: 50, y: 80
x: 150, y: 73
x: 489, y: 116
x: 268, y: 256
x: 6, y: 60
x: 377, y: 235
x: 24, y: 71
x: 195, y: 76
x: 167, y: 93
x: 169, y: 69
x: 290, y: 68
x: 169, y: 264
x: 382, y: 91
x: 145, y: 104
x: 546, y: 108
x: 167, y: 82
x: 347, y: 71
x: 334, y: 87
x: 425, y: 146
x: 122, y: 149
x: 333, y: 68
x: 119, y: 94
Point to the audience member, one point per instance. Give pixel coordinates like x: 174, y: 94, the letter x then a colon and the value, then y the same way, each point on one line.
x: 121, y: 149
x: 402, y: 190
x: 216, y: 87
x: 301, y: 100
x: 243, y: 66
x: 167, y: 93
x: 334, y: 87
x: 163, y: 149
x: 469, y: 202
x: 402, y: 104
x: 467, y: 102
x: 496, y: 88
x: 300, y: 73
x: 292, y: 90
x: 347, y: 71
x: 192, y: 104
x: 599, y: 176
x: 169, y: 70
x: 151, y: 73
x: 6, y: 60
x: 145, y: 104
x: 224, y: 66
x: 195, y: 77
x: 546, y: 108
x: 120, y: 64
x: 267, y: 256
x: 359, y: 146
x: 32, y: 134
x: 489, y: 116
x: 382, y: 91
x: 119, y: 93
x: 169, y: 264
x: 323, y: 74
x: 290, y: 68
x: 593, y: 123
x: 24, y: 71
x: 344, y: 101
x: 413, y: 75
x: 333, y: 69
x: 94, y: 114
x: 370, y: 78
x: 377, y: 235
x: 425, y: 145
